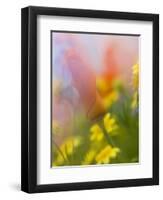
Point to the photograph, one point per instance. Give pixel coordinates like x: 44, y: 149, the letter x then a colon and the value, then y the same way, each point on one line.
x: 90, y: 99
x: 94, y: 98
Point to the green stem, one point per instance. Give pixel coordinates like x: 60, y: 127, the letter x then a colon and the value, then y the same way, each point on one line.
x: 59, y: 151
x: 108, y: 137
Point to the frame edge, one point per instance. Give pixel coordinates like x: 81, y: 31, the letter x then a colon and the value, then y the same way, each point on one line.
x: 156, y: 99
x: 24, y: 99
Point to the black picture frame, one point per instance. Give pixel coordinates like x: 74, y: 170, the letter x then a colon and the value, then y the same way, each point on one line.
x: 29, y: 99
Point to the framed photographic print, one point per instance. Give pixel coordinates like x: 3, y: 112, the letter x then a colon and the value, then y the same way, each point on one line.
x: 90, y: 99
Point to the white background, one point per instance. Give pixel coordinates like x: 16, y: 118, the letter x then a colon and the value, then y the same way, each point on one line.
x: 10, y: 77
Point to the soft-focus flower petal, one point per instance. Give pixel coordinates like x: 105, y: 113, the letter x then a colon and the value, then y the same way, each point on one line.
x: 106, y: 154
x: 110, y: 124
x: 96, y: 133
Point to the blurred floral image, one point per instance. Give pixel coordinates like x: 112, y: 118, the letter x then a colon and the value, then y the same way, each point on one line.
x: 95, y: 99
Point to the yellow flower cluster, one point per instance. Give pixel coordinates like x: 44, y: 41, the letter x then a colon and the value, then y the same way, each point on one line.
x: 102, y: 85
x: 67, y: 149
x: 89, y: 157
x: 136, y: 76
x: 110, y: 98
x: 134, y: 103
x: 103, y: 157
x: 108, y: 91
x: 106, y: 154
x: 110, y: 124
x: 96, y: 133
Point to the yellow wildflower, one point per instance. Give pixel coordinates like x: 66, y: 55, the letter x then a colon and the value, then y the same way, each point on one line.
x: 68, y: 146
x: 96, y: 133
x: 110, y: 98
x: 135, y: 76
x: 134, y: 103
x: 89, y: 157
x: 110, y: 124
x: 66, y: 149
x: 106, y: 154
x: 102, y: 85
